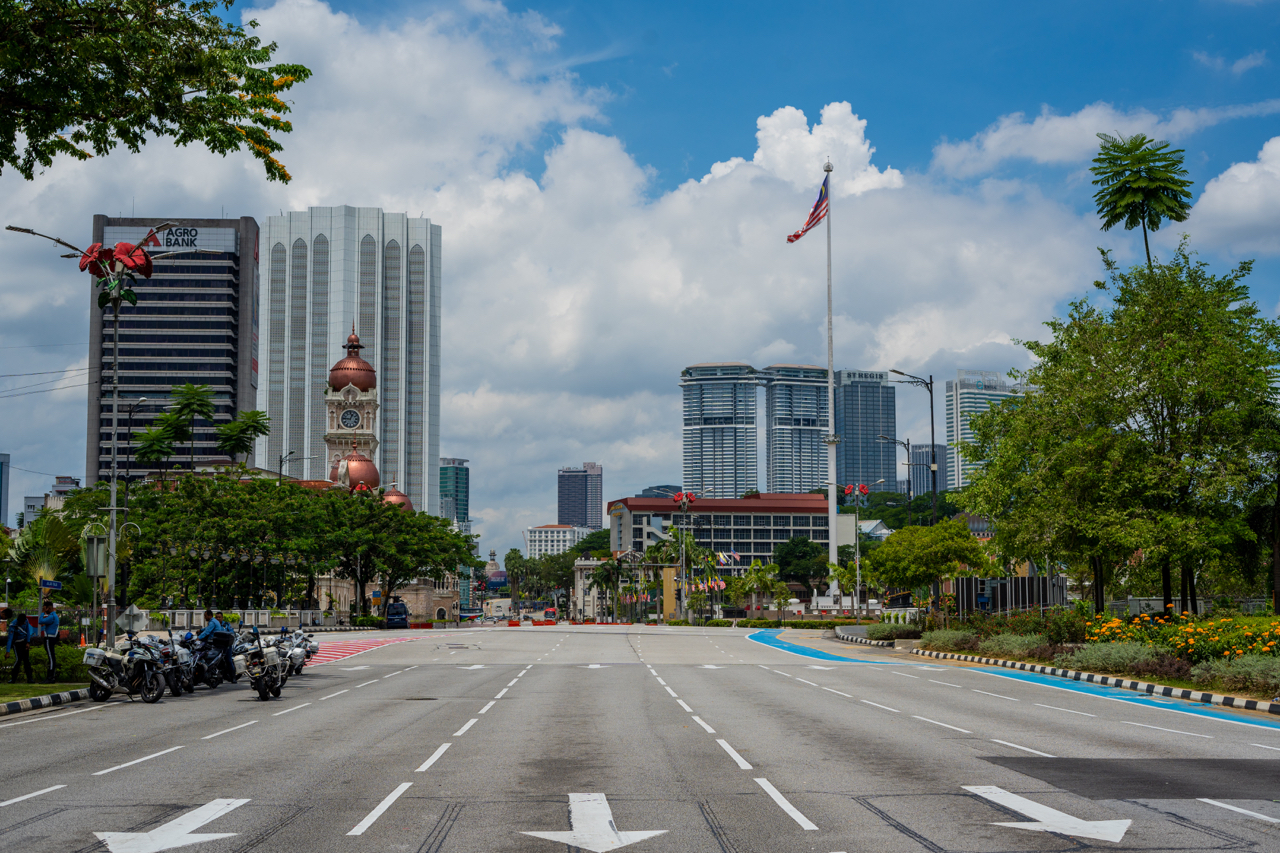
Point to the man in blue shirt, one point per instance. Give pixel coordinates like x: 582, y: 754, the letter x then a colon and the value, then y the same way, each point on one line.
x: 211, y: 625
x: 48, y: 637
x: 19, y: 637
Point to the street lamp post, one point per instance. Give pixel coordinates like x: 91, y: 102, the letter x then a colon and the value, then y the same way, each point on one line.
x: 905, y: 444
x: 857, y: 549
x: 926, y: 384
x: 284, y: 457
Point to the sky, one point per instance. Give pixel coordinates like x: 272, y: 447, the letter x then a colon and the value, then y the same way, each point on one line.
x: 615, y: 183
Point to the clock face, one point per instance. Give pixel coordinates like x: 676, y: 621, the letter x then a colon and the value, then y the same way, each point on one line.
x: 350, y: 419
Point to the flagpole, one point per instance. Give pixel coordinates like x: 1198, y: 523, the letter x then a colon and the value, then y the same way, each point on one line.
x: 832, y: 439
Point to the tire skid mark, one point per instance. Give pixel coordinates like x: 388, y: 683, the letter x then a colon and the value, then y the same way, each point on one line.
x: 168, y: 810
x: 440, y: 832
x: 271, y: 830
x: 717, y: 828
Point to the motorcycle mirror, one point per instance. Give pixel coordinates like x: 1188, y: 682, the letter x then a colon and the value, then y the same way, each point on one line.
x: 255, y: 630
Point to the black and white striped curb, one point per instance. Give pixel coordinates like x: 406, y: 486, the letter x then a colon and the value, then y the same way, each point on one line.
x: 1114, y: 681
x: 49, y: 701
x: 862, y: 641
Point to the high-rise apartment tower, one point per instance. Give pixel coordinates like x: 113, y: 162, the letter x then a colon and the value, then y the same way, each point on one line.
x: 580, y: 496
x: 455, y: 490
x: 327, y: 269
x: 865, y: 410
x: 921, y: 476
x: 720, y: 428
x: 971, y: 393
x: 795, y: 405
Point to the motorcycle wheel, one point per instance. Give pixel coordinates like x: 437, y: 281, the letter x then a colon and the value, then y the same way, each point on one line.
x: 98, y: 693
x: 275, y: 691
x: 152, y: 688
x: 175, y: 685
x: 297, y: 670
x: 189, y: 683
x: 264, y: 692
x: 213, y: 679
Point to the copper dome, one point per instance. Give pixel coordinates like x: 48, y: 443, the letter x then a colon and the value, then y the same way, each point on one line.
x: 352, y: 369
x: 360, y: 469
x: 394, y: 496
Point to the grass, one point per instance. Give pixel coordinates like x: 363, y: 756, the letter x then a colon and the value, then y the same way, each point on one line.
x: 14, y: 692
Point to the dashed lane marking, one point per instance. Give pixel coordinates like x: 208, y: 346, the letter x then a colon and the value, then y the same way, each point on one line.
x: 435, y: 756
x: 944, y: 725
x: 224, y: 731
x: 379, y: 809
x: 468, y: 724
x: 702, y: 723
x: 881, y: 707
x: 733, y: 753
x: 29, y: 796
x: 793, y: 812
x: 137, y: 761
x: 287, y: 710
x: 1024, y: 748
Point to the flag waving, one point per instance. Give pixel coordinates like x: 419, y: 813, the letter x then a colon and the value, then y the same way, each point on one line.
x: 816, y: 215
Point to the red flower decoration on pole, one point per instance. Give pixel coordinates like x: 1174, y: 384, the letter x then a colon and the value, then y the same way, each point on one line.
x: 848, y: 490
x: 863, y: 490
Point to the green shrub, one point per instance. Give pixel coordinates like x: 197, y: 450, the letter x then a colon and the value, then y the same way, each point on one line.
x: 719, y: 623
x: 1058, y: 624
x: 948, y: 641
x: 679, y: 622
x: 1109, y: 657
x: 893, y: 632
x: 1244, y: 674
x: 1010, y: 645
x: 366, y: 622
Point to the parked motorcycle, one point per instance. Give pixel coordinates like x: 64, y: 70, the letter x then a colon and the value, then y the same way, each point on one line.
x: 296, y: 648
x: 131, y: 667
x: 263, y: 665
x: 182, y: 665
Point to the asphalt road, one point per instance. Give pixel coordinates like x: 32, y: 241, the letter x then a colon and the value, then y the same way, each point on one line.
x: 598, y: 737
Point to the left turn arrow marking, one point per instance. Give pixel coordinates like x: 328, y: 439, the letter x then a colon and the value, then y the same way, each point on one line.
x: 178, y: 832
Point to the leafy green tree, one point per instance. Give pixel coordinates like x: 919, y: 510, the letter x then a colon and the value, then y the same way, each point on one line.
x: 237, y: 436
x: 915, y: 557
x: 801, y: 560
x: 1142, y: 184
x: 154, y: 446
x: 191, y: 402
x: 597, y: 540
x: 78, y: 77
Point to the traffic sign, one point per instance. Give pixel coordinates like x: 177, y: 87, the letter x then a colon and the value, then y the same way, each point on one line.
x: 50, y: 584
x: 376, y: 593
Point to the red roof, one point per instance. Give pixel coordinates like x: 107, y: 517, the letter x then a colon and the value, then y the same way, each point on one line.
x: 762, y: 503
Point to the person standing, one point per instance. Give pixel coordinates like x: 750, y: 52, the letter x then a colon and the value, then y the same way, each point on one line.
x: 19, y: 644
x: 47, y: 625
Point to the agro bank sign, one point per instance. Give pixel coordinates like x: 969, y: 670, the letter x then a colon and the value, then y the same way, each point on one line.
x: 175, y: 239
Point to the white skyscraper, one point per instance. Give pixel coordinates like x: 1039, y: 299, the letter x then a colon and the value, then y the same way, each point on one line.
x: 325, y: 269
x: 972, y: 393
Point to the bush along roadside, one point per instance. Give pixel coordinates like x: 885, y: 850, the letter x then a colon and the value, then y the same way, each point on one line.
x: 893, y: 632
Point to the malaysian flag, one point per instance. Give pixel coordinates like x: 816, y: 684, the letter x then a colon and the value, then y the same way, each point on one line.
x: 816, y: 215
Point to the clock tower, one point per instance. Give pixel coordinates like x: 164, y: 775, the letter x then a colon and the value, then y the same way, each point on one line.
x: 351, y: 407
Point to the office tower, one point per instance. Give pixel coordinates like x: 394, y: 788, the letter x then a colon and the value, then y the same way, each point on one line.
x: 720, y: 428
x: 455, y: 490
x: 921, y: 478
x: 552, y: 539
x: 865, y: 409
x: 329, y: 269
x: 795, y: 406
x: 580, y: 494
x: 4, y: 489
x: 972, y: 392
x: 196, y: 322
x: 659, y: 492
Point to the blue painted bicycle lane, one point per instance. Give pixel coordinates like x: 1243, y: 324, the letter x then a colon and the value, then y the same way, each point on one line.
x: 770, y: 637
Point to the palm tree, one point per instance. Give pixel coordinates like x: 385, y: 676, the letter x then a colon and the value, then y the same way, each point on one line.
x: 46, y: 548
x: 154, y: 446
x: 237, y: 437
x: 191, y: 402
x: 1142, y: 184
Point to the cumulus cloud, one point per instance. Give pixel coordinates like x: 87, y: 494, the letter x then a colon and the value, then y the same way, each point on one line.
x: 1245, y: 63
x: 1239, y: 210
x: 574, y: 292
x: 1050, y: 138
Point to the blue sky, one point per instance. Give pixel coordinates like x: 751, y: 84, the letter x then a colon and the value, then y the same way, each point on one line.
x: 615, y: 182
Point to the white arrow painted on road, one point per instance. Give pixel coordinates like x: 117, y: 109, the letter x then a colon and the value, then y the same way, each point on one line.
x: 595, y: 666
x: 1051, y: 820
x: 473, y: 666
x: 353, y: 668
x: 814, y: 666
x: 710, y: 666
x: 593, y: 827
x: 176, y: 833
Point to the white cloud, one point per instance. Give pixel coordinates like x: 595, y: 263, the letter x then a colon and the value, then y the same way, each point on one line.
x: 1069, y: 139
x: 1239, y: 210
x: 572, y: 298
x: 1245, y: 63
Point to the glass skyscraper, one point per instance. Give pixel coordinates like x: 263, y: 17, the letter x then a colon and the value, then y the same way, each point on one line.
x: 720, y: 428
x: 865, y: 409
x: 972, y: 392
x: 196, y: 322
x: 455, y: 490
x: 921, y: 476
x: 580, y: 496
x: 795, y: 405
x: 332, y: 268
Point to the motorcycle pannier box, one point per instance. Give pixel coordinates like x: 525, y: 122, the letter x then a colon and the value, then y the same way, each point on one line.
x: 269, y: 656
x: 94, y: 657
x: 240, y: 664
x: 222, y: 639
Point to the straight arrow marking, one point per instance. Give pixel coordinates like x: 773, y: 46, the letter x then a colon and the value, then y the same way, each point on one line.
x: 1051, y: 820
x: 593, y: 826
x: 176, y: 833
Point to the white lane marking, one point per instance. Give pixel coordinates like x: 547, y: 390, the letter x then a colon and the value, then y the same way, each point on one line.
x: 903, y: 674
x: 415, y: 666
x: 462, y: 731
x: 802, y: 681
x: 287, y: 710
x: 366, y: 684
x: 513, y: 681
x: 782, y: 801
x: 882, y: 707
x: 523, y: 671
x: 331, y: 695
x: 434, y: 757
x: 397, y: 672
x: 997, y: 695
x: 1024, y: 748
x: 838, y: 693
x: 59, y: 716
x: 700, y: 722
x: 762, y: 666
x: 672, y: 692
x: 1264, y: 746
x: 1172, y: 731
x: 29, y: 796
x: 490, y: 705
x: 1068, y: 710
x: 137, y: 761
x: 502, y: 692
x: 1212, y: 803
x: 944, y: 725
x: 780, y: 672
x: 733, y: 753
x: 682, y: 704
x: 663, y: 683
x: 946, y: 683
x: 224, y: 731
x: 379, y: 809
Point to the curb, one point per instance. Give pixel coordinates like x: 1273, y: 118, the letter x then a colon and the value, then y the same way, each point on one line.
x: 863, y: 641
x: 1114, y: 681
x: 48, y: 701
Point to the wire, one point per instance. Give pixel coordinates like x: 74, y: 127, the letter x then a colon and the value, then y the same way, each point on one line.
x: 43, y: 391
x: 29, y: 471
x: 38, y: 384
x: 46, y: 372
x: 35, y: 346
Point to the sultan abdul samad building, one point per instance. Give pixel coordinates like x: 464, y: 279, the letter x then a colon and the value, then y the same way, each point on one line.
x: 350, y: 438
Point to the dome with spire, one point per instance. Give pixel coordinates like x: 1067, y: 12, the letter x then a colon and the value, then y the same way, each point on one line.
x: 394, y: 496
x: 351, y: 369
x: 357, y: 469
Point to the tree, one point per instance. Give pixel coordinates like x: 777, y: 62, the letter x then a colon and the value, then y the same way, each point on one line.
x: 1142, y: 184
x: 237, y: 436
x: 915, y: 557
x: 154, y: 446
x: 759, y: 581
x: 597, y: 540
x: 78, y: 78
x: 191, y: 402
x: 801, y: 560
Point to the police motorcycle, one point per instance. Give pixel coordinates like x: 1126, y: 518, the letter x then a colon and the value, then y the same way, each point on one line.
x: 296, y: 647
x: 205, y: 660
x: 169, y: 670
x: 132, y: 667
x: 181, y: 665
x: 261, y: 662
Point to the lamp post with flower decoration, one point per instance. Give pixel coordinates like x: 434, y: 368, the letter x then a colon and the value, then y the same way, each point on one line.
x: 115, y: 269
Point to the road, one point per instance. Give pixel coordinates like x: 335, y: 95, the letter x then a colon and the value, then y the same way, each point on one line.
x: 687, y: 739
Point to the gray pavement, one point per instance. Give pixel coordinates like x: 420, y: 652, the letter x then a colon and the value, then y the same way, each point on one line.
x: 465, y: 740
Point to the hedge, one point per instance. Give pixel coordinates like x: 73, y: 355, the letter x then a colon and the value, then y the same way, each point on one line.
x: 893, y: 632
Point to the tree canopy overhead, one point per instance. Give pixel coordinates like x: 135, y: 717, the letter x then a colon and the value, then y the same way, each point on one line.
x: 79, y: 77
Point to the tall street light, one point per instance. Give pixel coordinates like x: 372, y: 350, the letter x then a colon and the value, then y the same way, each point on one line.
x: 906, y: 445
x: 857, y: 548
x: 284, y: 457
x: 926, y: 384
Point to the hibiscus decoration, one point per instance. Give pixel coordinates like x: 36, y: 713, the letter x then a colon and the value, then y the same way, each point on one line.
x: 111, y: 265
